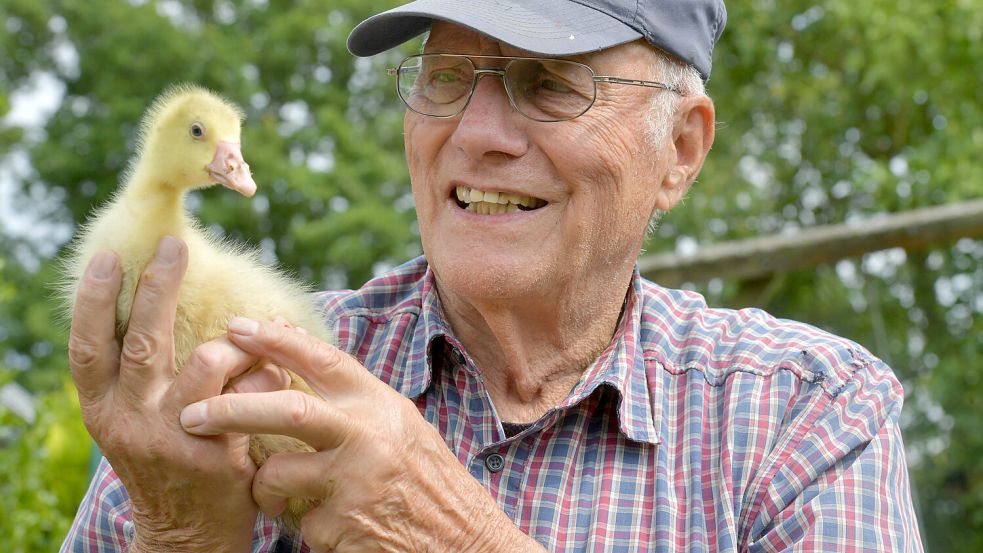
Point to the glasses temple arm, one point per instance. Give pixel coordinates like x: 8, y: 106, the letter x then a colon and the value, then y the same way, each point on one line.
x: 636, y: 82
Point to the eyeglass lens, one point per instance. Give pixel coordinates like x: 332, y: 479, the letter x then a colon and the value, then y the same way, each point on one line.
x: 544, y: 90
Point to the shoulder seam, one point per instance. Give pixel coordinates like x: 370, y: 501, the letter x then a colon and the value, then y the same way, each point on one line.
x: 373, y: 315
x: 832, y: 385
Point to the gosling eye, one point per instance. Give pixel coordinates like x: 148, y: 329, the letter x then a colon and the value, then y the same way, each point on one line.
x: 197, y: 130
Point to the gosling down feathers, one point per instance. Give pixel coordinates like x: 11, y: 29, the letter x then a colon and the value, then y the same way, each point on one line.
x: 189, y: 139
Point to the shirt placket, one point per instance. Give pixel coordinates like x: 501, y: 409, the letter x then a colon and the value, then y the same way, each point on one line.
x: 498, y: 463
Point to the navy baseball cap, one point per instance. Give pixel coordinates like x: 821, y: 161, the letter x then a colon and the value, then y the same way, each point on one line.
x: 687, y: 29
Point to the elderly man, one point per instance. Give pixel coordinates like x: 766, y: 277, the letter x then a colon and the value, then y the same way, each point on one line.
x: 521, y: 386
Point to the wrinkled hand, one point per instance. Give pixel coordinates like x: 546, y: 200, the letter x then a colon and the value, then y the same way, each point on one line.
x: 188, y: 493
x: 385, y: 478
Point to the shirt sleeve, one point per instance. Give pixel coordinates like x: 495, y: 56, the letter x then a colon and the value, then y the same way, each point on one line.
x: 838, y: 480
x: 104, y: 522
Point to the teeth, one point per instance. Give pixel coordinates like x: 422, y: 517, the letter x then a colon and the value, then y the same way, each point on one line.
x: 492, y: 203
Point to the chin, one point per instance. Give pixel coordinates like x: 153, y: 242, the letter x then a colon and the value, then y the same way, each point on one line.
x: 482, y: 277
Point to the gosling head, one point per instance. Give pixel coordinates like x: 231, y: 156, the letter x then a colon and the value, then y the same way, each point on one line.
x: 190, y: 138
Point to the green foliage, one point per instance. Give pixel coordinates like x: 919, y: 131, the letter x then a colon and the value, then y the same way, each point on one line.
x: 43, y: 473
x: 829, y: 110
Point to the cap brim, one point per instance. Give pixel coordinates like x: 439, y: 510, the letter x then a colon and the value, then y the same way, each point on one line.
x: 550, y: 27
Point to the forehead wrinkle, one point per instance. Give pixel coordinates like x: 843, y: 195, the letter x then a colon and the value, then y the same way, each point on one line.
x: 625, y: 60
x: 454, y: 39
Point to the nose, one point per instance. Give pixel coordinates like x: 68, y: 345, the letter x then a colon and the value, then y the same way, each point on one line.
x: 489, y: 124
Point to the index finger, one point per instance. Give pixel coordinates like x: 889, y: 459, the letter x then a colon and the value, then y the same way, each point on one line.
x: 93, y: 353
x: 286, y: 413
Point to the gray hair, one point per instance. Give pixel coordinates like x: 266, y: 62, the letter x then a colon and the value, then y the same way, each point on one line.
x: 685, y: 78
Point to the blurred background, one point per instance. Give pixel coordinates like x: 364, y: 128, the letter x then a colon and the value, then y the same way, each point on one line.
x: 831, y: 112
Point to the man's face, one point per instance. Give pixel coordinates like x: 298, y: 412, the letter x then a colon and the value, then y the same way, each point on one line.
x: 596, y: 179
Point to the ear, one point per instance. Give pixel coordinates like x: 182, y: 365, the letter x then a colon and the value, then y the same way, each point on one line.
x: 692, y: 137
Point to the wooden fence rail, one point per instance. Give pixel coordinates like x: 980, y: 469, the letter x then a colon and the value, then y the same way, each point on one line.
x: 758, y: 257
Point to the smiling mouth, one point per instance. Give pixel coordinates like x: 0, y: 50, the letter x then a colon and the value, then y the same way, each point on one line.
x: 494, y: 203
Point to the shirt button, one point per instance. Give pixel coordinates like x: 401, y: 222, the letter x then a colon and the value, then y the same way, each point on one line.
x: 457, y: 356
x: 495, y: 462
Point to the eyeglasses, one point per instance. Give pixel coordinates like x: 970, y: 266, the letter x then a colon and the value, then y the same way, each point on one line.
x: 542, y: 89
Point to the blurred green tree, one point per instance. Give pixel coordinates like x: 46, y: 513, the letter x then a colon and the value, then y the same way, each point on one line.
x: 830, y: 110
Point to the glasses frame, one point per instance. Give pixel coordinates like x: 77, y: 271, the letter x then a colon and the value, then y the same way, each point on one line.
x: 480, y: 72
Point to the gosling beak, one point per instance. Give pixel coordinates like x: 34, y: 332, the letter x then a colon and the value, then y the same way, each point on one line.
x: 228, y: 169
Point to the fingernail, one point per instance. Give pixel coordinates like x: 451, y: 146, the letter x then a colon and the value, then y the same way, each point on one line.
x: 168, y: 250
x: 102, y: 265
x: 194, y: 415
x: 243, y: 326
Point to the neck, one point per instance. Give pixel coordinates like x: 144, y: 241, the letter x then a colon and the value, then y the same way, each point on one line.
x: 160, y: 205
x: 532, y: 351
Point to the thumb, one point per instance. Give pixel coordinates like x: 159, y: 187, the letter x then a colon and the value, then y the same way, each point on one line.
x: 208, y: 370
x: 264, y: 377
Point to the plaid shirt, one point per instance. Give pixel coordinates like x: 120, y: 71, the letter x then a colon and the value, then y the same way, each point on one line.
x: 697, y: 429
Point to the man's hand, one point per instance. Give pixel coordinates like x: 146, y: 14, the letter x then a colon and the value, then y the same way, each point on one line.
x: 384, y: 476
x: 188, y: 493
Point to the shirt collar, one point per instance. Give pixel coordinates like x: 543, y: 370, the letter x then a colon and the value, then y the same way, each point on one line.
x: 426, y: 343
x: 621, y: 365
